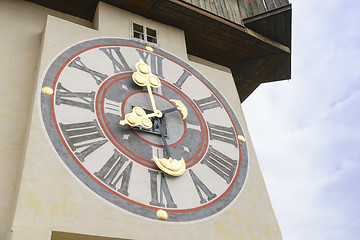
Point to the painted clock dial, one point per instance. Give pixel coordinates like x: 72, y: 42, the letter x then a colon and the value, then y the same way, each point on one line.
x: 94, y: 90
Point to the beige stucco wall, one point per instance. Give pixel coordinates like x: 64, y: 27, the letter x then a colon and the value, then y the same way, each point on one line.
x: 21, y: 26
x: 50, y: 197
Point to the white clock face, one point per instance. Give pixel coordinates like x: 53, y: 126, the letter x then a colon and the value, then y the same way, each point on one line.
x: 94, y: 90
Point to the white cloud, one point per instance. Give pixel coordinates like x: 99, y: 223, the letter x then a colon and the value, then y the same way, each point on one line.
x: 308, y: 143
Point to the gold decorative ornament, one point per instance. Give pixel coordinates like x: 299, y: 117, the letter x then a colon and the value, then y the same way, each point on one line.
x: 154, y: 81
x: 139, y: 111
x: 171, y: 166
x: 181, y: 107
x: 241, y: 138
x: 47, y: 90
x: 143, y: 68
x: 149, y: 48
x: 139, y: 79
x: 162, y: 215
x: 138, y: 117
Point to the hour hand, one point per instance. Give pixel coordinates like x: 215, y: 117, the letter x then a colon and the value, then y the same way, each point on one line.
x: 137, y: 117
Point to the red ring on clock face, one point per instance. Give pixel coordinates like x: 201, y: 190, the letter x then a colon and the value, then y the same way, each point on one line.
x: 147, y: 139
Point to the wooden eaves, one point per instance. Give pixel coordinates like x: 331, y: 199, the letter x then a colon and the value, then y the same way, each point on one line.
x: 257, y: 51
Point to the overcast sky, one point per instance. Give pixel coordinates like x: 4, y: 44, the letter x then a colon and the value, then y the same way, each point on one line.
x: 306, y: 132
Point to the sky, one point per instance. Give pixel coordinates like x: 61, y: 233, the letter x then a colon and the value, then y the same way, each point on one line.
x: 306, y: 131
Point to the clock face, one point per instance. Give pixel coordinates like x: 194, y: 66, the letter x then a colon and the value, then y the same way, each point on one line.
x: 93, y: 92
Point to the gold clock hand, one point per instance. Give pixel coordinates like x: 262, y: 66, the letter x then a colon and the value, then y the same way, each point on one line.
x: 137, y: 117
x: 144, y: 77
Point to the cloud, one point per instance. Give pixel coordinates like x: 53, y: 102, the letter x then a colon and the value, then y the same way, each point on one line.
x: 306, y: 131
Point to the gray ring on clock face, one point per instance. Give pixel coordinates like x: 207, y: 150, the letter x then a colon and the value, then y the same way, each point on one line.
x: 238, y: 182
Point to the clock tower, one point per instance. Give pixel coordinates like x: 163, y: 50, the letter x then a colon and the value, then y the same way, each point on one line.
x: 135, y: 128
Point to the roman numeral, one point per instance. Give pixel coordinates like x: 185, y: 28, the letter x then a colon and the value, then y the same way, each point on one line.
x: 224, y: 134
x: 157, y: 90
x: 98, y: 77
x: 164, y: 191
x: 207, y: 103
x: 200, y: 186
x: 109, y: 173
x: 76, y: 99
x: 222, y: 165
x: 157, y: 152
x: 112, y: 107
x: 121, y: 66
x: 83, y: 138
x: 194, y: 127
x: 155, y: 62
x: 182, y: 78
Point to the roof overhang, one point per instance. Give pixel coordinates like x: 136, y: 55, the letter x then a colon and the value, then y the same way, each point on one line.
x: 256, y: 52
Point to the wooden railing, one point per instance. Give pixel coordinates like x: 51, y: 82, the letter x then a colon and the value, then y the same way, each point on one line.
x: 237, y: 10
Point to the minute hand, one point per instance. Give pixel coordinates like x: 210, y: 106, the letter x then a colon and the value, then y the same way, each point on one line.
x: 169, y: 165
x: 162, y: 133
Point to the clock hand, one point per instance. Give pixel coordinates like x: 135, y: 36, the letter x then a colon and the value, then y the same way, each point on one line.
x: 162, y: 133
x: 169, y: 165
x: 157, y: 112
x: 138, y: 117
x: 144, y: 77
x: 179, y: 106
x: 169, y: 110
